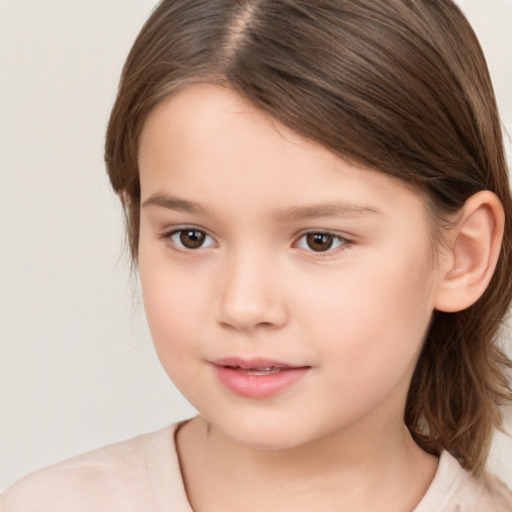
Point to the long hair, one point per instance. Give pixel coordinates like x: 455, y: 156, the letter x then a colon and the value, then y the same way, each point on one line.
x: 399, y: 86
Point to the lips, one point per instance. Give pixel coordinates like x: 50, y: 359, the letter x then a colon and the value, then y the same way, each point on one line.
x: 269, y: 370
x: 257, y: 378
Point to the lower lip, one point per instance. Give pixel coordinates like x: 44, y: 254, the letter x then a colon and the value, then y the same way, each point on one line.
x: 258, y: 386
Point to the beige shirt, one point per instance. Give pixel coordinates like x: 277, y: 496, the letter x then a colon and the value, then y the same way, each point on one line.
x: 143, y: 475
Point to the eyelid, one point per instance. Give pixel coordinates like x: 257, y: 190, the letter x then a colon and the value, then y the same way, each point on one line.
x: 167, y: 236
x: 346, y: 241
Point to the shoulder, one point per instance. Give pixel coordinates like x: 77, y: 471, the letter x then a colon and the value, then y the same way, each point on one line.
x: 456, y: 490
x: 123, y: 476
x: 475, y: 496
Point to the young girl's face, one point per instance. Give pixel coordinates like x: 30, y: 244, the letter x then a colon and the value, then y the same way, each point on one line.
x: 288, y: 292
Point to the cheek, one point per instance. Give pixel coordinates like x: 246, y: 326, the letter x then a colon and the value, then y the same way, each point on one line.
x: 174, y: 306
x: 374, y: 320
x: 174, y: 321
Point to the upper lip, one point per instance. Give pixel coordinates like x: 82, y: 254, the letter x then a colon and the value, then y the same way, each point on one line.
x: 247, y: 364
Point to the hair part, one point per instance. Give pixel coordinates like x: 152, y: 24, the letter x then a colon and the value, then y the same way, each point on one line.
x: 399, y: 86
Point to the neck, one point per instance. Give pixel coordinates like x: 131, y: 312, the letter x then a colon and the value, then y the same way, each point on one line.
x: 344, y: 470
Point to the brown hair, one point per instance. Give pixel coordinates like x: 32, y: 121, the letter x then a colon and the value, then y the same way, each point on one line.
x: 400, y: 86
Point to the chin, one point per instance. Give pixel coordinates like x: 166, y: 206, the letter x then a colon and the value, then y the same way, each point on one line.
x: 269, y: 435
x: 264, y: 442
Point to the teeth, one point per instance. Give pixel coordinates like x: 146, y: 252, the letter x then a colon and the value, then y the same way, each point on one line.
x: 268, y: 370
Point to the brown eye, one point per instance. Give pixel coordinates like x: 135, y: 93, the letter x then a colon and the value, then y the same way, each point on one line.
x: 319, y: 241
x: 191, y: 238
x: 188, y: 239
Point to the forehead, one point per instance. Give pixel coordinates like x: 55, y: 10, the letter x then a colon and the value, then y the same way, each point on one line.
x: 206, y: 141
x: 214, y: 117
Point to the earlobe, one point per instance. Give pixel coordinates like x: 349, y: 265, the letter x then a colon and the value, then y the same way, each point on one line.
x: 468, y: 265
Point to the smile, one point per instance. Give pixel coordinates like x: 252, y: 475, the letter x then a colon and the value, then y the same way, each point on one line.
x: 269, y: 370
x: 257, y: 379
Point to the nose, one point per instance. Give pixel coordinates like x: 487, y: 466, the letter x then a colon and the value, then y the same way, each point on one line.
x: 251, y: 295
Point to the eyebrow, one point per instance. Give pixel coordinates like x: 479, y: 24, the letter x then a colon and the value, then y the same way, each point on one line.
x: 323, y: 210
x: 174, y: 203
x: 314, y: 211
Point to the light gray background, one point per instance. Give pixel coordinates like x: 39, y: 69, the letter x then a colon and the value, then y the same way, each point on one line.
x: 77, y: 369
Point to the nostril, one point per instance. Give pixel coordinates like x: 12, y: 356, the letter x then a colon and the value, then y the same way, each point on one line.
x: 246, y: 302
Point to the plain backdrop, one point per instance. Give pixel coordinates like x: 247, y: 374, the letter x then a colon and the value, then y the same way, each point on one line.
x: 77, y: 369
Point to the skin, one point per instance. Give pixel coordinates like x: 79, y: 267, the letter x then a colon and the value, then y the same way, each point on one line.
x: 356, y: 315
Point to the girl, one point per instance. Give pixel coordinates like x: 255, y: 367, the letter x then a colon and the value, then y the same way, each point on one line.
x: 317, y: 202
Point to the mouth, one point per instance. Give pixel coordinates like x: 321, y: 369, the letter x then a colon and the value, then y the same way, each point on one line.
x: 267, y: 370
x: 257, y: 378
x: 255, y: 366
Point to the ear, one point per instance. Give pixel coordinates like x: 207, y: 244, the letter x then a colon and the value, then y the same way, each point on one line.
x: 468, y: 264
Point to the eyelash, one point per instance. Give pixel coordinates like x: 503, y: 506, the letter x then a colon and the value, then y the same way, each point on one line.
x: 343, y: 242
